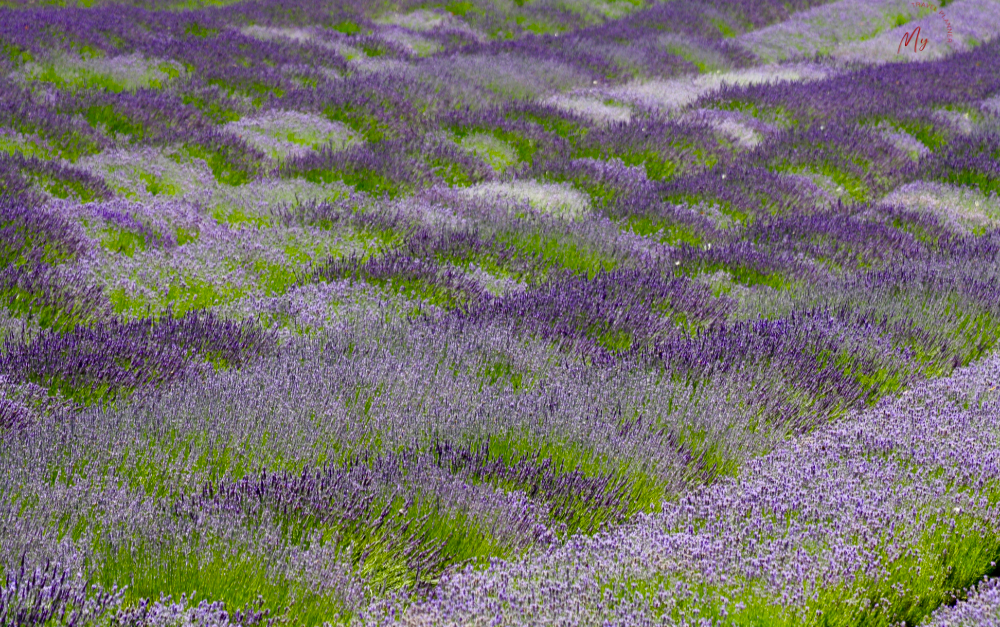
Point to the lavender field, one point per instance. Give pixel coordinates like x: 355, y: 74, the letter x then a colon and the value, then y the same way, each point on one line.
x: 500, y: 312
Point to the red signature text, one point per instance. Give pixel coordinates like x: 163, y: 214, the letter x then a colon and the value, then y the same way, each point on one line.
x: 913, y: 36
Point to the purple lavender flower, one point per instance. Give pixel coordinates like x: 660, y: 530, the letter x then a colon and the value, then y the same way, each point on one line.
x: 576, y: 312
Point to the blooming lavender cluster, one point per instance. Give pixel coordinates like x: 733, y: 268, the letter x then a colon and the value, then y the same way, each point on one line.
x: 981, y: 608
x: 585, y: 312
x: 878, y: 517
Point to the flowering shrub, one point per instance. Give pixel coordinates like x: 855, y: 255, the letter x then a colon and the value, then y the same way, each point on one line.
x: 456, y: 313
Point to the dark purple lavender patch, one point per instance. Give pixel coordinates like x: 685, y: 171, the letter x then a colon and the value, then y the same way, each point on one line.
x: 107, y: 359
x: 28, y: 231
x: 13, y: 415
x: 58, y: 179
x: 860, y: 160
x: 571, y: 493
x: 25, y: 112
x: 746, y: 263
x: 365, y: 501
x: 615, y: 310
x: 842, y: 236
x: 744, y: 190
x: 49, y: 297
x: 357, y: 209
x: 391, y: 167
x: 972, y: 161
x: 53, y: 595
x: 666, y: 148
x: 457, y: 247
x: 827, y: 362
x: 378, y: 105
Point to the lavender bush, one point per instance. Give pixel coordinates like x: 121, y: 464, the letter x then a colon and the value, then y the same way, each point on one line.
x: 589, y: 312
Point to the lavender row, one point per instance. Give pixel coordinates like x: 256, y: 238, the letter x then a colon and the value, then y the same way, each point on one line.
x: 52, y: 594
x: 234, y: 161
x: 353, y: 307
x: 890, y: 518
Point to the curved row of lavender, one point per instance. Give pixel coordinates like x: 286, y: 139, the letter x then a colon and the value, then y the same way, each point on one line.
x: 857, y: 523
x: 585, y: 312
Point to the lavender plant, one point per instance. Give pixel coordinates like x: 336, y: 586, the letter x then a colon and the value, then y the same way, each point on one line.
x: 583, y: 312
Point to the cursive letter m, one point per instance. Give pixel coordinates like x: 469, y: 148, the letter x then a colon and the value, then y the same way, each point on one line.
x: 913, y: 36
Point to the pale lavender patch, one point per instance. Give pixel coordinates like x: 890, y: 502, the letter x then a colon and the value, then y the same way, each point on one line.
x: 741, y: 133
x: 667, y: 95
x: 991, y: 105
x: 706, y: 58
x: 606, y: 9
x: 296, y: 406
x: 148, y: 173
x: 411, y: 42
x: 902, y: 140
x: 616, y: 168
x: 743, y: 129
x: 820, y: 191
x: 283, y: 134
x: 425, y: 20
x: 713, y: 211
x: 722, y: 281
x: 308, y: 35
x: 821, y: 29
x: 14, y: 328
x: 170, y: 221
x: 507, y: 76
x: 972, y: 22
x: 13, y: 142
x: 183, y: 613
x: 125, y: 72
x: 592, y: 108
x: 309, y: 308
x: 434, y: 207
x: 556, y: 199
x: 133, y: 521
x: 496, y: 285
x: 500, y: 211
x: 116, y: 509
x: 325, y: 570
x: 230, y: 266
x: 420, y: 19
x: 191, y: 524
x: 821, y: 182
x: 980, y: 609
x: 33, y: 505
x: 257, y: 202
x: 499, y: 154
x: 361, y: 62
x: 273, y: 33
x: 962, y: 206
